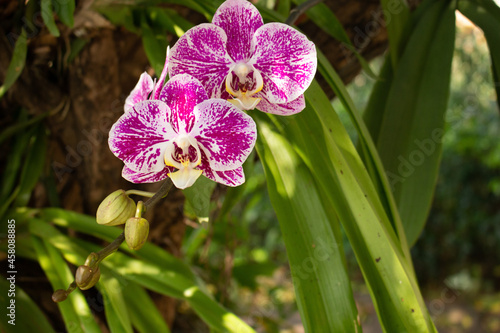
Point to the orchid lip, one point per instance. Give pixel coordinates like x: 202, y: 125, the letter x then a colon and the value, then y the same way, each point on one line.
x: 187, y: 173
x: 243, y: 98
x: 183, y: 142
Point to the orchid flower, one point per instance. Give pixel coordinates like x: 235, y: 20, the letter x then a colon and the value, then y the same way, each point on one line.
x: 253, y: 65
x: 182, y: 134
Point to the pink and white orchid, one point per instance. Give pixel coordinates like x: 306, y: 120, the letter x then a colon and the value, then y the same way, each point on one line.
x: 181, y: 134
x: 252, y: 64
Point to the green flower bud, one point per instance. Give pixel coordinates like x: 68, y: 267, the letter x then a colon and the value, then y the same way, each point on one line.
x: 87, y: 277
x: 115, y: 209
x: 136, y: 232
x: 59, y: 295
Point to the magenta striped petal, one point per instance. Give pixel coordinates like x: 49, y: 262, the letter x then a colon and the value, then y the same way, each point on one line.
x: 140, y: 136
x: 233, y: 177
x: 150, y: 177
x: 239, y: 19
x: 201, y: 52
x: 140, y: 92
x: 182, y: 93
x: 285, y: 109
x: 225, y: 134
x: 286, y: 60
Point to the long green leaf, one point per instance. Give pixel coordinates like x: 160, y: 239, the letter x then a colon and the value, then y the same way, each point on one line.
x: 25, y: 307
x: 397, y: 14
x: 409, y: 141
x: 48, y: 17
x: 76, y: 313
x: 65, y: 10
x: 33, y: 166
x: 158, y: 277
x: 143, y: 312
x: 114, y: 302
x: 313, y: 243
x: 16, y: 64
x: 337, y: 168
x: 154, y: 46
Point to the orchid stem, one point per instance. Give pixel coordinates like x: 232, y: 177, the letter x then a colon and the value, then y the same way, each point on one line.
x: 299, y: 10
x: 141, y: 193
x: 163, y: 191
x: 95, y: 258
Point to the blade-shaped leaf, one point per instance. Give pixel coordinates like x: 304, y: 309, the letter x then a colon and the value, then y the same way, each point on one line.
x: 114, y: 302
x: 312, y: 239
x: 143, y: 312
x: 48, y: 17
x: 409, y: 141
x: 397, y: 16
x: 16, y: 64
x: 24, y: 308
x: 337, y: 168
x: 65, y: 10
x: 158, y: 277
x: 75, y: 311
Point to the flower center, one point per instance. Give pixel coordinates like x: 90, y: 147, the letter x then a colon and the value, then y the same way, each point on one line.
x: 183, y: 153
x: 243, y: 81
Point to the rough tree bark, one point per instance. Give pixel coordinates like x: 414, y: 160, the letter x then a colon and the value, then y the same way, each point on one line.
x: 89, y: 92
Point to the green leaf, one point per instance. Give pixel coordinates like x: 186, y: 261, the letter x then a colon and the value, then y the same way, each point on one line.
x: 18, y: 148
x: 486, y: 15
x: 87, y: 224
x: 16, y: 64
x: 397, y: 14
x: 155, y: 47
x: 246, y: 273
x: 283, y: 7
x: 117, y: 314
x: 24, y: 308
x: 198, y: 198
x: 143, y: 312
x: 337, y: 169
x: 312, y: 239
x: 48, y: 17
x: 120, y: 15
x: 150, y: 272
x: 65, y: 9
x: 21, y: 125
x: 75, y: 310
x: 409, y: 140
x: 33, y: 166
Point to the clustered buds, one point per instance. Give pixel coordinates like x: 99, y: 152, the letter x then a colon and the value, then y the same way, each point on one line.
x: 115, y: 209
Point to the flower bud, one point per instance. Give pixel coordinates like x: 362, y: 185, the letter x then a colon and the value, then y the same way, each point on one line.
x: 136, y: 232
x: 59, y: 295
x: 87, y: 277
x: 115, y: 209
